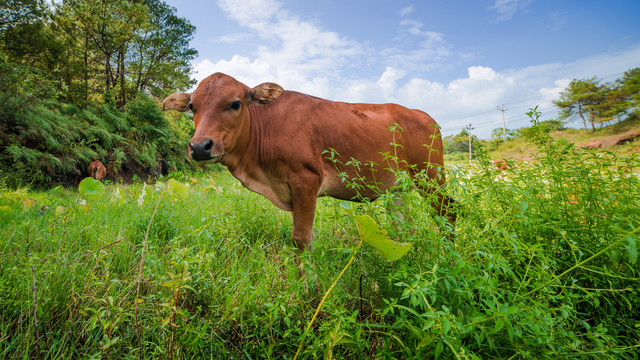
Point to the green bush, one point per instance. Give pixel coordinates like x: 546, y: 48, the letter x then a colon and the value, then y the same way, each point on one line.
x: 145, y: 112
x: 46, y: 142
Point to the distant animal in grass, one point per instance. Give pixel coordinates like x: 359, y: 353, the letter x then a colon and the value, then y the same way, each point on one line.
x: 500, y: 164
x: 96, y: 170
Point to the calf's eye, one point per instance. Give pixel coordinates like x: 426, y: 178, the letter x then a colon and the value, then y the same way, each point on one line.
x: 235, y: 105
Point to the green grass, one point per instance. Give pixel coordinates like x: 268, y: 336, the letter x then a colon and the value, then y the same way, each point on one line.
x: 544, y: 265
x: 521, y: 149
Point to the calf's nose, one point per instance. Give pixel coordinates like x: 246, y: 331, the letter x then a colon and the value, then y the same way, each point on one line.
x: 202, y: 150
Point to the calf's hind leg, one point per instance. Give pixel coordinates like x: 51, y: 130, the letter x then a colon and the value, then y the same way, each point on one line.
x: 433, y: 189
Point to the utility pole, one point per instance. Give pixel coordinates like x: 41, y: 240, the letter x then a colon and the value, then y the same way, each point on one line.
x: 469, y: 128
x: 504, y: 128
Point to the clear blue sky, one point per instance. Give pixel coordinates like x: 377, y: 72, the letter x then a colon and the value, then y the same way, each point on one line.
x: 457, y: 60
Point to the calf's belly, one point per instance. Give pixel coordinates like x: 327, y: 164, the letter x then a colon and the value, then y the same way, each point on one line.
x: 355, y: 187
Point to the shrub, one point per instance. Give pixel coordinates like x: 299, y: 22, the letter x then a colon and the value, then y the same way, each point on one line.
x: 46, y: 142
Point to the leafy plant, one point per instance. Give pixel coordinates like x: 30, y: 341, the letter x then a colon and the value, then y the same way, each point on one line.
x: 370, y: 233
x: 91, y: 188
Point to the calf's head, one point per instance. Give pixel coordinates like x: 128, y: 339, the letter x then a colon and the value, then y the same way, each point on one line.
x: 220, y: 113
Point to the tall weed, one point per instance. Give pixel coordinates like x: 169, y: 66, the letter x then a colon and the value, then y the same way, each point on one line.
x: 543, y: 263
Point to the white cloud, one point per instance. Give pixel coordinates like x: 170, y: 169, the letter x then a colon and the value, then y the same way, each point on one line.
x: 406, y: 10
x: 425, y: 50
x: 482, y: 89
x: 231, y: 38
x: 255, y: 14
x: 482, y: 86
x: 241, y: 67
x: 414, y: 27
x: 388, y: 80
x: 301, y: 53
x: 290, y: 42
x: 550, y: 94
x: 258, y: 71
x: 507, y: 9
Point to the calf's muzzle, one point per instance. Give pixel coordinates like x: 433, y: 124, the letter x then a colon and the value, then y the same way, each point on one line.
x: 201, y: 151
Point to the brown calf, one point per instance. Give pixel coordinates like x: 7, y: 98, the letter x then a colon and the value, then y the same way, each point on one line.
x: 500, y: 164
x: 96, y: 170
x: 276, y: 142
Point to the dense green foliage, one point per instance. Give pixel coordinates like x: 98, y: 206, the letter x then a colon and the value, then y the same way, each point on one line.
x: 79, y: 82
x: 544, y: 265
x: 46, y: 142
x: 92, y: 47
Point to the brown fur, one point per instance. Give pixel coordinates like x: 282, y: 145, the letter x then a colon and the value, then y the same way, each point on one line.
x: 500, y: 164
x: 96, y: 170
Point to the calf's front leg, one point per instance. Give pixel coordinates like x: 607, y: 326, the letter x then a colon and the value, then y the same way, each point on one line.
x: 304, y: 208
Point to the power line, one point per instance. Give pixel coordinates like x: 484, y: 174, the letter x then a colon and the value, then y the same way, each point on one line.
x: 512, y: 120
x: 474, y: 114
x: 471, y: 114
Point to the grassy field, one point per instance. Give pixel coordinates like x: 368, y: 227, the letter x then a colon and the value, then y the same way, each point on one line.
x: 623, y: 138
x: 544, y: 264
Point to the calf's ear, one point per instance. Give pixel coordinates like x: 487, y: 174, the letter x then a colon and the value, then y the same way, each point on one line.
x: 177, y: 101
x: 265, y: 93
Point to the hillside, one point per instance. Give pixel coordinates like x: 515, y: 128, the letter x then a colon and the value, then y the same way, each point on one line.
x: 622, y: 138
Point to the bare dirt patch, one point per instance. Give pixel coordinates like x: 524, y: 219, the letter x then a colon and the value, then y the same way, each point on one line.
x: 613, y: 140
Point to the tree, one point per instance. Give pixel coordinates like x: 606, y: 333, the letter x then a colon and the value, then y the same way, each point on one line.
x: 15, y: 13
x: 73, y: 81
x: 613, y: 103
x: 581, y: 97
x: 630, y: 87
x: 24, y: 37
x: 107, y: 27
x: 497, y: 134
x: 160, y: 58
x: 124, y: 47
x: 458, y: 143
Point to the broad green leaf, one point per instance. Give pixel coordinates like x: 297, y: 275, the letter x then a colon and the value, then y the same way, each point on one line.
x: 171, y: 282
x: 177, y: 188
x: 446, y: 326
x: 439, y: 348
x: 91, y: 188
x: 373, y: 235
